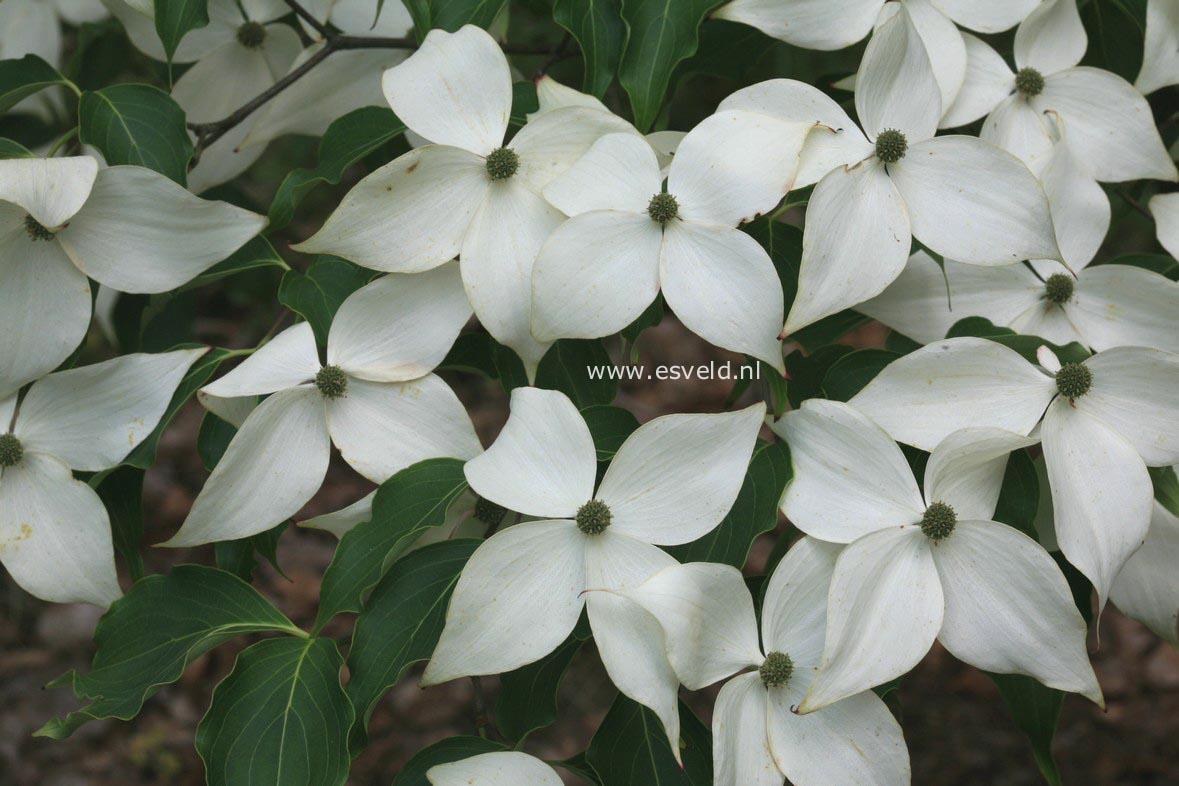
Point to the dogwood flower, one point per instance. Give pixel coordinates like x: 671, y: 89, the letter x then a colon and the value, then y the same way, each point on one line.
x: 64, y: 220
x: 628, y: 238
x: 500, y: 768
x: 375, y: 399
x: 925, y: 564
x: 1147, y: 588
x: 707, y: 616
x: 55, y: 535
x: 1110, y: 125
x: 1165, y: 209
x: 1105, y: 420
x: 468, y: 193
x: 1160, y: 55
x: 523, y: 590
x: 226, y: 18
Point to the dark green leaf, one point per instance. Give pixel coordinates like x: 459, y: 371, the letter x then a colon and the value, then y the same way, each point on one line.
x: 598, y: 29
x: 528, y: 696
x: 1019, y: 497
x: 473, y: 353
x: 1166, y: 487
x: 609, y: 426
x: 317, y: 294
x: 407, y: 504
x: 806, y: 373
x: 239, y: 557
x: 630, y: 747
x: 400, y: 624
x: 650, y: 317
x: 148, y: 636
x: 12, y: 149
x: 213, y: 439
x: 848, y: 375
x: 1116, y: 32
x: 524, y: 102
x: 450, y: 15
x: 1035, y: 709
x: 510, y: 368
x: 121, y: 492
x: 280, y: 717
x: 729, y: 50
x: 21, y: 78
x: 137, y: 124
x: 255, y: 254
x: 568, y: 366
x: 1024, y: 345
x: 175, y: 18
x: 580, y: 767
x: 443, y: 752
x: 900, y: 344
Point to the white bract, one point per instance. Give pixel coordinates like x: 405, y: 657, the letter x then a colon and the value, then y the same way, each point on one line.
x: 468, y: 193
x: 64, y: 220
x: 33, y: 27
x: 1105, y: 420
x: 501, y: 768
x: 1160, y: 56
x: 1147, y: 588
x: 707, y: 616
x: 55, y: 535
x: 1165, y: 209
x: 628, y: 239
x: 1108, y: 124
x: 523, y: 590
x: 961, y: 197
x: 376, y: 400
x: 925, y: 563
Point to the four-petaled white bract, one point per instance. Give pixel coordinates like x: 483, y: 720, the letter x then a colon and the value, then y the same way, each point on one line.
x: 501, y: 768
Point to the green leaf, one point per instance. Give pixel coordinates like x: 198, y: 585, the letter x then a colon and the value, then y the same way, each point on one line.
x: 981, y: 327
x: 1116, y: 31
x: 1035, y: 709
x: 755, y: 510
x: 23, y: 77
x: 1166, y: 487
x: 347, y: 140
x: 650, y: 317
x: 255, y: 254
x: 660, y: 33
x: 849, y: 374
x: 121, y: 491
x: 317, y: 294
x: 729, y: 50
x: 524, y: 102
x: 149, y: 635
x: 213, y: 440
x: 175, y: 18
x: 239, y: 556
x: 400, y: 624
x: 806, y: 373
x: 405, y: 506
x: 630, y: 747
x: 581, y: 768
x: 450, y: 15
x: 473, y: 353
x: 12, y: 149
x: 609, y: 426
x: 136, y: 124
x: 900, y: 344
x: 528, y: 696
x: 597, y: 27
x: 280, y: 717
x: 443, y: 752
x: 566, y: 367
x: 1019, y: 496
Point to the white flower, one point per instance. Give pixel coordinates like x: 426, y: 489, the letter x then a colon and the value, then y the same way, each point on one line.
x: 1147, y: 588
x: 1109, y: 125
x: 707, y: 615
x: 501, y: 768
x: 1115, y: 415
x: 64, y: 219
x: 925, y: 565
x: 523, y: 590
x: 1160, y: 56
x: 55, y: 536
x: 961, y: 197
x: 376, y: 400
x: 467, y: 193
x: 225, y: 22
x: 628, y: 239
x: 1165, y: 209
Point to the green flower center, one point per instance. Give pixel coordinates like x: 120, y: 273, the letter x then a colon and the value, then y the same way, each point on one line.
x: 939, y: 521
x: 777, y: 670
x: 36, y: 230
x: 502, y: 163
x: 488, y: 512
x: 663, y: 208
x: 593, y: 517
x: 1073, y: 380
x: 332, y: 382
x: 251, y: 35
x: 11, y: 451
x: 1029, y: 82
x: 891, y: 146
x: 1059, y: 288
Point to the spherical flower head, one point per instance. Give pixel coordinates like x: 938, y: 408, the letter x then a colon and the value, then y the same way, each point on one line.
x: 11, y: 451
x: 332, y: 382
x: 35, y: 230
x: 593, y: 517
x: 1029, y: 82
x: 502, y: 163
x: 777, y: 670
x: 488, y: 512
x: 251, y: 35
x: 1073, y: 380
x: 891, y: 146
x: 939, y: 521
x: 1059, y: 288
x: 663, y: 208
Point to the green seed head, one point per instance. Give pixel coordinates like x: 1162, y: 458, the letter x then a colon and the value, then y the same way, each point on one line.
x: 1059, y: 288
x: 593, y: 517
x: 663, y: 208
x: 1073, y: 380
x: 488, y: 512
x: 777, y: 670
x: 11, y: 451
x: 502, y: 163
x: 891, y: 146
x: 332, y: 382
x: 939, y: 521
x: 251, y: 35
x: 35, y: 230
x: 1029, y: 82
